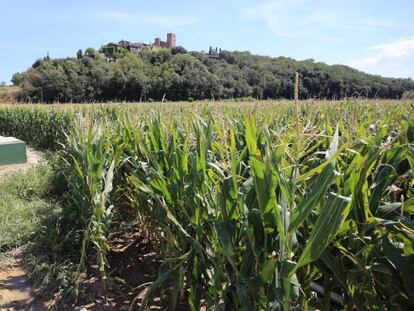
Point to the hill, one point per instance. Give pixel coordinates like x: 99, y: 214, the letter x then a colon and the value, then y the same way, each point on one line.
x: 9, y: 94
x: 175, y: 74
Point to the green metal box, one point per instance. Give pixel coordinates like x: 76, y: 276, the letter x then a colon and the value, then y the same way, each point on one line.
x: 12, y: 151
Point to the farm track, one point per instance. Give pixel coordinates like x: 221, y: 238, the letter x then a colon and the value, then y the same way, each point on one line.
x: 33, y: 158
x: 16, y: 292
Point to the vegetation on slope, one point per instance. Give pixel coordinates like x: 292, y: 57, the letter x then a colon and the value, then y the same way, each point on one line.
x: 9, y: 94
x: 179, y: 75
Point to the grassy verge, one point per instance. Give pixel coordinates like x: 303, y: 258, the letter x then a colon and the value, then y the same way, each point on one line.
x: 23, y: 206
x: 31, y: 226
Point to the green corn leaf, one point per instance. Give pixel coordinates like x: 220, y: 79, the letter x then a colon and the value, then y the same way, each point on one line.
x: 330, y: 219
x: 268, y: 270
x: 401, y: 264
x: 410, y: 156
x: 330, y: 261
x: 315, y: 196
x: 245, y: 300
x: 381, y: 182
x: 226, y: 231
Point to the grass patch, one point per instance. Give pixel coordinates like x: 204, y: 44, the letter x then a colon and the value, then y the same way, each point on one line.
x: 23, y: 206
x: 31, y: 223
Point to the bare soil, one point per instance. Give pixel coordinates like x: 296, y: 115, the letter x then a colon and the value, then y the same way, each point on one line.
x: 16, y: 292
x: 33, y: 158
x: 134, y: 262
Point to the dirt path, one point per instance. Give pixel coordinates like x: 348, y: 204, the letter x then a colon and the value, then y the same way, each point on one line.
x: 33, y: 158
x: 15, y: 290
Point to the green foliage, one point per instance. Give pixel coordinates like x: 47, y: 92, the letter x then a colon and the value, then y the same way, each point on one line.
x: 33, y: 222
x: 79, y: 54
x: 254, y: 207
x: 90, y: 164
x: 40, y: 129
x: 90, y: 52
x: 178, y: 50
x: 175, y: 74
x: 408, y: 95
x: 22, y: 206
x: 17, y: 78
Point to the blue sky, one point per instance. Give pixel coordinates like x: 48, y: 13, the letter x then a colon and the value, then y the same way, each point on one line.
x: 376, y: 36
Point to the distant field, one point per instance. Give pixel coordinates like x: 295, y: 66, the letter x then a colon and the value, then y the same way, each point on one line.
x: 267, y: 205
x: 235, y: 105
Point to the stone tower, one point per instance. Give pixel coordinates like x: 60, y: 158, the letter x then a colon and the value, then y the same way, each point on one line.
x: 157, y: 42
x: 171, y: 40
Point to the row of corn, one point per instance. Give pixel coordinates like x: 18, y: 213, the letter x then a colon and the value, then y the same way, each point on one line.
x: 267, y: 207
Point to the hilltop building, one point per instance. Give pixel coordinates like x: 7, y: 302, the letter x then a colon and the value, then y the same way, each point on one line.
x: 214, y: 53
x: 110, y: 50
x: 171, y: 40
x: 169, y: 44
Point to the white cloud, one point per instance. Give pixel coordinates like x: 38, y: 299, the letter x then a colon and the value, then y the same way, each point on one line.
x: 397, y: 49
x: 388, y: 52
x: 128, y: 18
x: 338, y: 28
x: 281, y: 17
x: 389, y: 58
x: 307, y: 18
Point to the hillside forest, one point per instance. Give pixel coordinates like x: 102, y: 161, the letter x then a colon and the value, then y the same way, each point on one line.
x: 176, y: 74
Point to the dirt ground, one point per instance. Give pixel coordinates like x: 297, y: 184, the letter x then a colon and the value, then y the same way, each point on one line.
x: 33, y: 158
x: 15, y: 290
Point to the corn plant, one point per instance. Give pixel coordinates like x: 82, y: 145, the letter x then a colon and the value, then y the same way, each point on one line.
x: 266, y: 206
x: 91, y: 162
x: 43, y: 130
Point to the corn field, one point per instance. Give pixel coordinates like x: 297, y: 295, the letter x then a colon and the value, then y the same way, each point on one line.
x: 255, y: 206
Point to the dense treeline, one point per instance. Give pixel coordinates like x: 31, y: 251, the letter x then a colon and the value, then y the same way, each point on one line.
x: 180, y: 75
